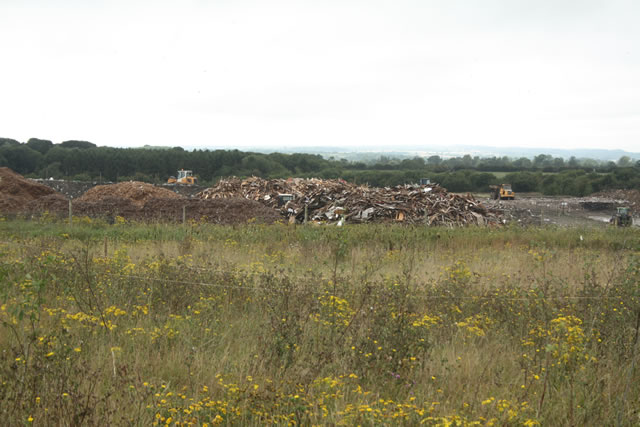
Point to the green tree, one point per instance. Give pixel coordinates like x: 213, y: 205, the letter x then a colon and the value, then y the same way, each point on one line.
x: 8, y: 141
x: 573, y: 162
x: 457, y: 181
x: 414, y: 163
x: 21, y: 158
x: 524, y: 182
x: 542, y: 161
x: 522, y: 163
x: 77, y: 144
x: 40, y: 145
x: 558, y: 163
x: 624, y: 162
x: 480, y: 181
x: 434, y: 160
x: 550, y: 185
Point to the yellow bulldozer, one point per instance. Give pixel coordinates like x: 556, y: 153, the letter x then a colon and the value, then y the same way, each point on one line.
x: 184, y: 177
x: 502, y: 192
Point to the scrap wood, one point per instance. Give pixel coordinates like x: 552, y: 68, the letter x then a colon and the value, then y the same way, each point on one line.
x: 332, y: 200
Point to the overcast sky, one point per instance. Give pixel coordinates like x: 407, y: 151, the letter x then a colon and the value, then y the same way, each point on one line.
x: 540, y: 73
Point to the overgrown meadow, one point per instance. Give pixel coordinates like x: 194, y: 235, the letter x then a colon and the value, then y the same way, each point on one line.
x: 133, y: 324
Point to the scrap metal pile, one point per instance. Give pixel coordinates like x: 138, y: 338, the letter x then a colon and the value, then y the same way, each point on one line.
x: 336, y: 200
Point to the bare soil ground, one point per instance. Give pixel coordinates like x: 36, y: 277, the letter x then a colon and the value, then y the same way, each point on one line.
x: 596, y: 210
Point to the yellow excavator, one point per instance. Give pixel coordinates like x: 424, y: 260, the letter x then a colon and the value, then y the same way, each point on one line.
x: 184, y: 177
x: 502, y: 192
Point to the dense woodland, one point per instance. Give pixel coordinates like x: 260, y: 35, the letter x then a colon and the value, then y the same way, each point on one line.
x: 82, y: 160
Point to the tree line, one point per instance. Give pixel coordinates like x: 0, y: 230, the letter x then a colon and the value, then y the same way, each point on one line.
x: 84, y: 161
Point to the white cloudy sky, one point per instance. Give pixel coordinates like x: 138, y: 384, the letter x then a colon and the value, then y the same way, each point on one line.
x: 538, y: 73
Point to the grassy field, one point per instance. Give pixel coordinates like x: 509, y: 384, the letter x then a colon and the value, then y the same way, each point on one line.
x: 131, y: 324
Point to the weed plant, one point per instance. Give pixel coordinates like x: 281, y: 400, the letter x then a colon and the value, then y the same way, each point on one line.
x: 134, y: 324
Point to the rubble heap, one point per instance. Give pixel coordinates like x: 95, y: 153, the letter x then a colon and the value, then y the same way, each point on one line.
x: 137, y: 192
x: 622, y: 197
x: 16, y: 191
x: 333, y: 200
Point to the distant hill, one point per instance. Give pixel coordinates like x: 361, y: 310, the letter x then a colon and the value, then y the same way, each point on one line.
x: 399, y: 151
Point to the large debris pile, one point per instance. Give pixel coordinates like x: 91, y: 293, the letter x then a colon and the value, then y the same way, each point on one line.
x: 16, y: 191
x: 136, y: 192
x: 630, y: 198
x: 333, y: 200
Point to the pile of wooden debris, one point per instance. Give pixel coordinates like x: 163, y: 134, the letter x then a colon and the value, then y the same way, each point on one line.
x: 335, y: 200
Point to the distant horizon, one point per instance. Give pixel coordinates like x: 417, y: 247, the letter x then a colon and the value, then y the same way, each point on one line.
x: 421, y: 150
x: 462, y: 149
x: 324, y: 147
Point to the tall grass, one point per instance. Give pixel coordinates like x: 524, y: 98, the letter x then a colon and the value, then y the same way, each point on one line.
x: 251, y: 325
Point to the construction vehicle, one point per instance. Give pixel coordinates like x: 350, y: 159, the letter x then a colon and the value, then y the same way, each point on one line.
x: 184, y: 177
x: 283, y: 199
x: 622, y: 218
x: 502, y: 192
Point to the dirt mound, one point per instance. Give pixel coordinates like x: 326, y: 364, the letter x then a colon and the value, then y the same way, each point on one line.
x: 107, y: 207
x: 334, y: 200
x: 217, y: 211
x: 16, y: 191
x: 137, y: 192
x: 10, y: 204
x: 53, y: 203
